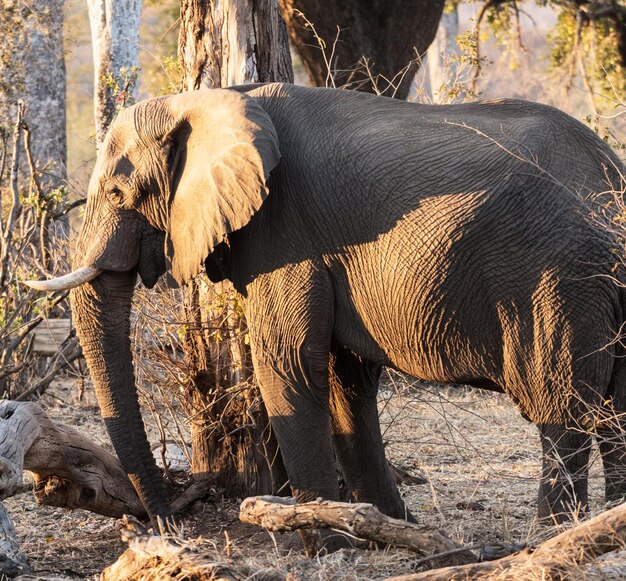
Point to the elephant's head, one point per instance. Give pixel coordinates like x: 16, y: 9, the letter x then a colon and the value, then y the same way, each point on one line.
x: 174, y: 176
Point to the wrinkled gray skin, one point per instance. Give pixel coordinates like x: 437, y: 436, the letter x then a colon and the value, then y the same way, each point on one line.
x: 448, y: 242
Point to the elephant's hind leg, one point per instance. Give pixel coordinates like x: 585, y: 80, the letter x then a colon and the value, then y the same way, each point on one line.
x: 611, y: 437
x: 356, y: 432
x: 612, y: 444
x: 563, y: 488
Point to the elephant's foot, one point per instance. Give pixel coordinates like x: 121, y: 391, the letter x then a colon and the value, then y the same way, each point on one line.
x: 199, y: 490
x: 324, y: 541
x: 554, y: 510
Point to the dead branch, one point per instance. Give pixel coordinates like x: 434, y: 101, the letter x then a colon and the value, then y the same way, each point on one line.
x: 16, y: 205
x: 65, y: 210
x: 152, y: 557
x: 3, y: 161
x: 550, y: 560
x: 69, y: 470
x: 361, y: 520
x: 12, y: 561
x: 199, y: 490
x: 42, y: 203
x: 64, y: 357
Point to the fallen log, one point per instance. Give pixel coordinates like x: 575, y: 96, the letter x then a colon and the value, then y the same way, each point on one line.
x: 151, y: 557
x: 555, y: 559
x: 69, y: 470
x: 361, y: 520
x: 12, y: 561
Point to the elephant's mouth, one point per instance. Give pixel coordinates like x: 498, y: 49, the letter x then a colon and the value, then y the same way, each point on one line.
x: 150, y: 265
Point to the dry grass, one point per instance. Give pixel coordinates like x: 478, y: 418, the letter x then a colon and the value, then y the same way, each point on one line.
x: 481, y: 458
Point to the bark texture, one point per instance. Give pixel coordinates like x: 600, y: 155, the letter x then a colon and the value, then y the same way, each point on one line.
x: 69, y: 470
x: 115, y: 41
x: 232, y: 43
x: 151, y: 557
x: 359, y: 519
x: 373, y: 46
x: 222, y: 44
x: 32, y: 67
x: 556, y: 559
x: 12, y: 561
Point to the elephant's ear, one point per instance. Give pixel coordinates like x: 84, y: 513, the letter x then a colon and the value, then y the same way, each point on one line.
x: 223, y: 147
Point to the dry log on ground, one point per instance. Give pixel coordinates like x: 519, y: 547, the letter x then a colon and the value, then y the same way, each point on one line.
x: 556, y: 559
x: 360, y: 520
x: 69, y: 470
x: 152, y: 557
x: 12, y: 561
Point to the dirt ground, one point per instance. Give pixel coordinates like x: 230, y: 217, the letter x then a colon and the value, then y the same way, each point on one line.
x: 481, y: 460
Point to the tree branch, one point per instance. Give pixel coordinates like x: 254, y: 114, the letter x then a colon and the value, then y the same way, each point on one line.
x: 553, y: 560
x: 361, y: 520
x: 16, y: 205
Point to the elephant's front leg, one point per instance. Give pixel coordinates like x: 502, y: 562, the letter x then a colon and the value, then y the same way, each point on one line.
x: 290, y: 315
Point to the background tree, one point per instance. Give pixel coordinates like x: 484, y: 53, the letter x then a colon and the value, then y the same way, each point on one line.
x: 372, y: 46
x: 588, y: 42
x: 33, y: 193
x: 233, y: 42
x: 115, y: 41
x: 32, y: 68
x: 443, y: 58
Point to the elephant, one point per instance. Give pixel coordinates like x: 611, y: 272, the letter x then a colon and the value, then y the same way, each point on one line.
x: 457, y: 243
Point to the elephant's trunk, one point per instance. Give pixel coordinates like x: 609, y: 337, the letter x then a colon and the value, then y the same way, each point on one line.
x: 102, y: 313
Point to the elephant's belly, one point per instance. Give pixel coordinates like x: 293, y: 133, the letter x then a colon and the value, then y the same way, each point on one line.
x: 430, y: 328
x: 402, y: 340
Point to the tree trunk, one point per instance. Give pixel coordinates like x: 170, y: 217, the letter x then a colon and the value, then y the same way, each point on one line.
x: 359, y: 520
x: 13, y: 562
x: 443, y: 69
x: 32, y: 169
x: 115, y: 41
x: 233, y: 42
x: 35, y: 73
x: 372, y: 46
x: 32, y: 67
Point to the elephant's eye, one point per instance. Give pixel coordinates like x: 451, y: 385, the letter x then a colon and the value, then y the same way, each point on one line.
x: 116, y: 197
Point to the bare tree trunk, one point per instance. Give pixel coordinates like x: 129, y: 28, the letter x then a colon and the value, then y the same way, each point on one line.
x: 442, y: 66
x: 44, y: 90
x: 31, y: 32
x: 373, y: 46
x: 232, y: 43
x: 13, y: 562
x: 360, y: 520
x: 223, y: 44
x: 115, y: 41
x: 69, y: 470
x: 31, y: 37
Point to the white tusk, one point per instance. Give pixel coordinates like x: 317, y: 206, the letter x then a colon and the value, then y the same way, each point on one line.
x: 71, y: 280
